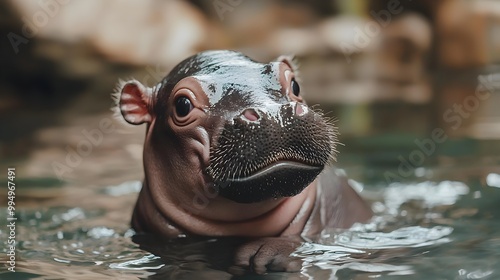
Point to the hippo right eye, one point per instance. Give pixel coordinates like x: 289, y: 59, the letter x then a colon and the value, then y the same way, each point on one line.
x: 183, y: 106
x: 295, y: 87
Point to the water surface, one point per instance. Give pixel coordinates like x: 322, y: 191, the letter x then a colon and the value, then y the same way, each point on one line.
x: 440, y: 222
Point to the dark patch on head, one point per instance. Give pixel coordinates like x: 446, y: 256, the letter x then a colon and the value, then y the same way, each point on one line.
x: 203, y: 63
x: 233, y: 100
x: 211, y: 87
x: 268, y: 69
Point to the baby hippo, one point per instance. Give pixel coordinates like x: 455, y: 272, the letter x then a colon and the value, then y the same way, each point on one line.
x: 231, y: 149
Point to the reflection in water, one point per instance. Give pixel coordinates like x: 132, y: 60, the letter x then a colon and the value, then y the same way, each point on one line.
x: 149, y: 261
x: 76, y: 243
x: 403, y: 237
x: 493, y: 180
x: 430, y: 194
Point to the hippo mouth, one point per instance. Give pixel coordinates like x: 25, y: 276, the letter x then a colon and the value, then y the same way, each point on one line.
x: 253, y: 162
x: 278, y: 167
x: 279, y: 179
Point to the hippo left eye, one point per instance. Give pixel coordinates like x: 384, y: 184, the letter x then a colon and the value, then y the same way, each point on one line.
x: 183, y: 106
x: 295, y: 87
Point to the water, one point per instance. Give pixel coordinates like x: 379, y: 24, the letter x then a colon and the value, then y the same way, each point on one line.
x: 442, y: 222
x: 428, y: 230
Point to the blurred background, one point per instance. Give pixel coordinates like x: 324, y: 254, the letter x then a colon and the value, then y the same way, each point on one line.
x: 414, y: 86
x: 413, y: 83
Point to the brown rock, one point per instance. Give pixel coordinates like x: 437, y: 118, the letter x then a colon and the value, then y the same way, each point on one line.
x: 404, y: 49
x: 467, y: 33
x: 136, y: 32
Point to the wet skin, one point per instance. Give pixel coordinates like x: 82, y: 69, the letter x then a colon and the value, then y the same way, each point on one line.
x: 231, y: 149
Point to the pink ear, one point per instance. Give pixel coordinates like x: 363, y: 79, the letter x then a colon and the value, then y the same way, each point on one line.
x: 290, y: 61
x: 135, y: 102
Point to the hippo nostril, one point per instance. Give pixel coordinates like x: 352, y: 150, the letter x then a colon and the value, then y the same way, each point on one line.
x: 251, y: 115
x: 300, y: 109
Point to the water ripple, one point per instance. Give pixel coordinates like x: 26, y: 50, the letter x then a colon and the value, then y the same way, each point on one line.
x: 415, y: 236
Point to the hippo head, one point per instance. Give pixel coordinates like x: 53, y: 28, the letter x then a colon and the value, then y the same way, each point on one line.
x: 224, y: 122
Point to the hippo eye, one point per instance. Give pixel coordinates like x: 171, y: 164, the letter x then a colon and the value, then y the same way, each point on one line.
x: 295, y: 87
x: 183, y: 106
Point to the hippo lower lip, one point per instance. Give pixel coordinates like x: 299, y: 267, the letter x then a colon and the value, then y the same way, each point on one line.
x: 277, y: 167
x: 280, y: 179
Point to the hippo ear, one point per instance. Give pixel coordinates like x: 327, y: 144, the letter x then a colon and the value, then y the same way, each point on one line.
x: 290, y: 61
x: 135, y: 101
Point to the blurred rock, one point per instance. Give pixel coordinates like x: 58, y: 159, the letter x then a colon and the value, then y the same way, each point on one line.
x: 405, y: 46
x: 134, y: 32
x: 217, y: 7
x: 348, y: 35
x: 295, y: 41
x: 149, y: 32
x: 403, y: 57
x: 467, y: 33
x: 267, y: 29
x: 370, y: 61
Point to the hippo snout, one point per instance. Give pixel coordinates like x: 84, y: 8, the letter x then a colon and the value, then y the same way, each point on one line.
x: 258, y: 152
